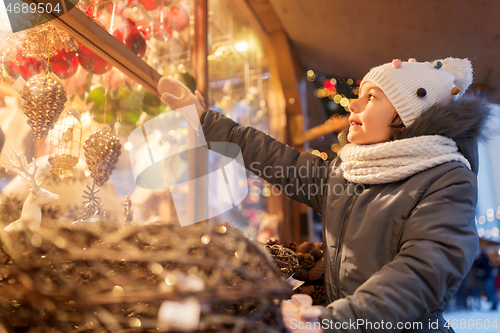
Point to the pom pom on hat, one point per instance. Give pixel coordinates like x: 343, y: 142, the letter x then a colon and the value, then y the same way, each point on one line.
x: 461, y: 69
x: 396, y: 63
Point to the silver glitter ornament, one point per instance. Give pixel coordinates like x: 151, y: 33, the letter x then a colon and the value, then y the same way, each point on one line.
x: 102, y: 150
x: 43, y: 101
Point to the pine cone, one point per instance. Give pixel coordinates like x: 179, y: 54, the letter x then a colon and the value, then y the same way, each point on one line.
x: 301, y: 274
x: 317, y: 254
x: 318, y: 246
x: 305, y: 260
x: 317, y: 271
x: 309, y: 290
x: 273, y: 241
x: 290, y: 245
x: 318, y: 295
x: 305, y: 247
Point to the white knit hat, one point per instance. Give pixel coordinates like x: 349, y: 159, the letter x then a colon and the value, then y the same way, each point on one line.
x: 412, y: 87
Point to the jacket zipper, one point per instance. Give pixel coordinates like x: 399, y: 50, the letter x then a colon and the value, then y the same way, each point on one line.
x: 343, y: 228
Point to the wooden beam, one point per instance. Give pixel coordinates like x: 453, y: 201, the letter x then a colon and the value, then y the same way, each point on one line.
x: 287, y: 74
x: 200, y: 47
x: 331, y: 125
x: 198, y: 158
x: 84, y: 30
x: 266, y: 14
x: 287, y: 68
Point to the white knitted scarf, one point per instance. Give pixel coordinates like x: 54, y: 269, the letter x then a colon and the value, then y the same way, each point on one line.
x: 391, y: 161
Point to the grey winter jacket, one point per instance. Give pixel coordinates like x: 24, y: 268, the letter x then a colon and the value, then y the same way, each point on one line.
x: 394, y: 253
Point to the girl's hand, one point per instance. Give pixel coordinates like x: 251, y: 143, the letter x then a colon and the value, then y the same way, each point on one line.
x: 177, y: 95
x: 299, y: 316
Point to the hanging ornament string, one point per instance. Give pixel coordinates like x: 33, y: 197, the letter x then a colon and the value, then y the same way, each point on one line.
x: 105, y: 104
x: 118, y: 121
x: 1, y: 65
x: 112, y: 19
x: 106, y: 92
x: 48, y: 55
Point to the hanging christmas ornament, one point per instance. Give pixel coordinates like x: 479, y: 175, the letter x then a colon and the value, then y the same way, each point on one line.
x: 129, y: 102
x: 128, y: 99
x: 102, y: 150
x: 46, y: 40
x: 128, y: 34
x: 176, y: 18
x: 43, y: 101
x: 149, y: 4
x: 64, y: 64
x: 151, y: 104
x: 65, y: 142
x: 94, y: 65
x: 91, y: 62
x: 63, y: 56
x: 146, y: 29
x: 92, y: 210
x: 128, y: 210
x: 65, y: 70
x: 97, y: 97
x: 16, y: 65
x: 88, y: 8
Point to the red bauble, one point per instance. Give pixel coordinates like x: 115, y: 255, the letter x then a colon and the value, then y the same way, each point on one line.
x: 91, y: 62
x: 177, y: 18
x: 149, y: 4
x: 85, y: 51
x: 66, y: 69
x: 131, y: 37
x: 63, y: 57
x: 94, y: 65
x: 27, y: 68
x: 146, y: 31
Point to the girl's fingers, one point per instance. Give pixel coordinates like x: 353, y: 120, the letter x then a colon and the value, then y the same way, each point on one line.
x: 199, y: 96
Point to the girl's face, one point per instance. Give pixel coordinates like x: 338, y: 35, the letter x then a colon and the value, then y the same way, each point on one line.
x: 371, y: 115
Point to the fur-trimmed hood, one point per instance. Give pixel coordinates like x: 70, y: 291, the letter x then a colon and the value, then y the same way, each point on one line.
x: 463, y: 120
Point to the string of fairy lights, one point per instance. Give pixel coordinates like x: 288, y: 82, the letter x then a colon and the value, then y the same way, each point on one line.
x: 484, y: 230
x: 335, y: 93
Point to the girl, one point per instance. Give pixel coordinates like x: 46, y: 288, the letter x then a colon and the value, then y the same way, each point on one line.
x: 399, y: 236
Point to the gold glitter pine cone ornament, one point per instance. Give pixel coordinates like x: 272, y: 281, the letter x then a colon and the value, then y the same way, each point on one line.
x: 43, y: 102
x: 102, y: 150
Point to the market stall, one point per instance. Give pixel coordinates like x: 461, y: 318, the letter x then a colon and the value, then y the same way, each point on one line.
x: 85, y: 246
x: 101, y: 210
